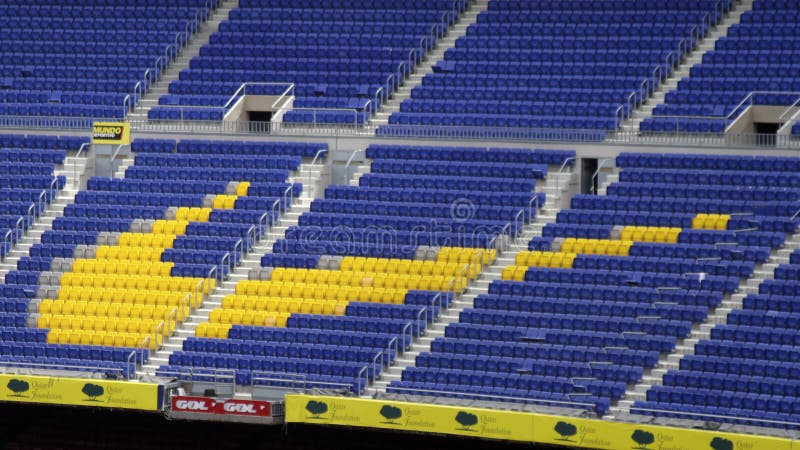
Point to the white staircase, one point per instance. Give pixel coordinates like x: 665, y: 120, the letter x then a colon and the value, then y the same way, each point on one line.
x: 251, y: 261
x: 425, y: 67
x: 73, y: 168
x: 192, y: 49
x: 564, y: 183
x: 682, y: 71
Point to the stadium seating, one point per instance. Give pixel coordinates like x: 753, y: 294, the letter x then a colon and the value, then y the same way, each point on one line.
x: 740, y: 374
x: 342, y: 59
x: 84, y: 61
x: 351, y: 300
x: 131, y: 257
x: 616, y: 281
x: 526, y: 65
x: 751, y: 65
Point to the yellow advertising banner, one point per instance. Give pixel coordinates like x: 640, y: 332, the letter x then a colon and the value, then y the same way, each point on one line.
x: 445, y: 419
x: 517, y: 426
x: 116, y: 133
x: 81, y: 392
x: 598, y: 434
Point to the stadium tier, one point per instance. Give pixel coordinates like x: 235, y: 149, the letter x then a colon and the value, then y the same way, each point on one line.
x: 525, y: 64
x: 355, y: 297
x: 87, y: 60
x: 130, y: 258
x: 340, y: 60
x: 753, y: 60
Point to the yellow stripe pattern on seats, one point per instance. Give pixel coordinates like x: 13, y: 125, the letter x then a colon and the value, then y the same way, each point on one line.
x: 710, y: 221
x: 125, y: 295
x: 665, y: 235
x: 596, y: 246
x: 320, y: 291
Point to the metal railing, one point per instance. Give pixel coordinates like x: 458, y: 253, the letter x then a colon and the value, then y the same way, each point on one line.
x: 74, y: 369
x: 84, y: 146
x: 492, y: 398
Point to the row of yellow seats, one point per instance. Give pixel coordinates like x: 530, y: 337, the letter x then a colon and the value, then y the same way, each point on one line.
x: 466, y: 255
x: 132, y: 296
x: 321, y: 292
x: 114, y: 252
x: 304, y: 306
x: 155, y: 283
x: 224, y: 201
x: 407, y: 267
x: 79, y: 308
x: 146, y: 240
x: 650, y: 234
x: 242, y: 317
x: 596, y: 246
x: 122, y: 267
x: 177, y: 227
x: 192, y: 214
x: 104, y: 338
x: 383, y: 280
x: 555, y: 260
x: 514, y: 273
x: 95, y: 323
x: 711, y: 221
x: 212, y: 330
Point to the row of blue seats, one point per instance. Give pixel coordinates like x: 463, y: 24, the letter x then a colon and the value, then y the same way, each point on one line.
x: 573, y: 338
x: 541, y: 385
x: 565, y: 369
x: 757, y: 43
x: 553, y: 321
x: 615, y: 5
x: 258, y: 348
x: 82, y: 352
x: 331, y: 353
x: 777, y: 30
x: 277, y: 364
x: 621, y: 356
x: 73, y: 84
x: 755, y: 163
x: 741, y: 269
x: 736, y: 193
x: 342, y: 192
x: 545, y: 68
x: 630, y: 294
x: 740, y: 83
x: 87, y: 98
x: 220, y: 147
x: 532, y: 93
x: 323, y: 116
x: 387, y: 237
x: 55, y: 110
x: 23, y: 334
x: 786, y: 287
x: 577, y: 306
x: 752, y: 211
x: 471, y: 154
x: 207, y: 174
x: 327, y: 27
x: 13, y: 305
x: 319, y: 14
x: 93, y: 35
x: 777, y: 303
x: 555, y: 55
x: 312, y: 87
x: 747, y: 333
x: 417, y: 210
x: 586, y: 17
x: 472, y: 106
x: 600, y: 43
x: 504, y: 121
x: 592, y: 29
x: 32, y: 156
x: 627, y: 82
x: 447, y: 182
x: 746, y: 350
x: 93, y: 197
x: 36, y: 141
x: 740, y: 400
x: 219, y: 161
x: 414, y: 5
x: 754, y: 178
x: 419, y: 225
x: 763, y: 319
